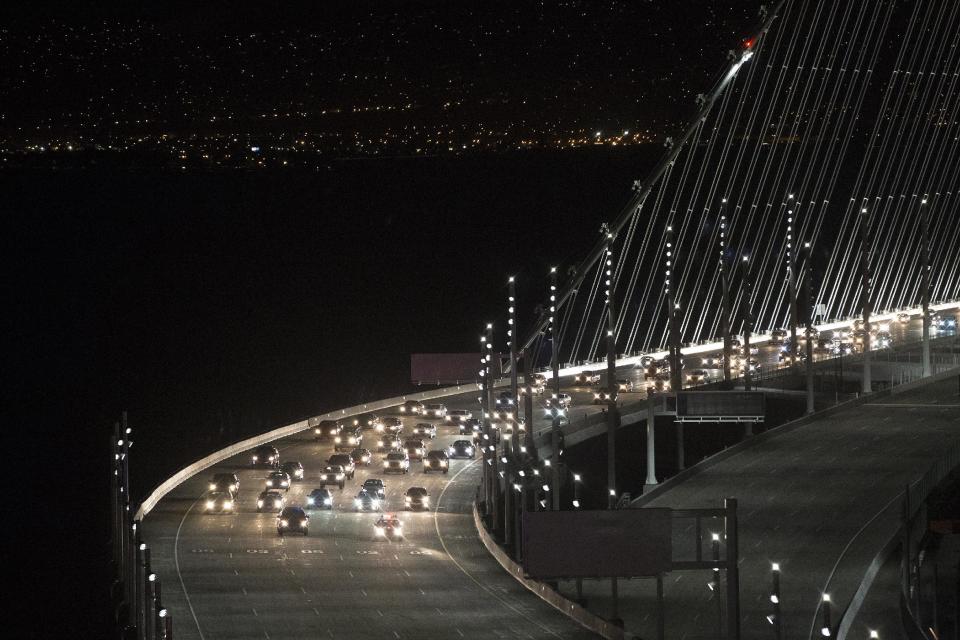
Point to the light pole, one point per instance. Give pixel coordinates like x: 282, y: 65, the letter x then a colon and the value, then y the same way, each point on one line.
x: 676, y: 381
x: 725, y: 290
x: 792, y: 281
x: 747, y: 323
x: 925, y: 284
x: 867, y: 385
x: 776, y: 618
x: 576, y: 490
x: 555, y: 409
x: 512, y: 343
x: 808, y: 321
x: 613, y: 415
x: 826, y: 628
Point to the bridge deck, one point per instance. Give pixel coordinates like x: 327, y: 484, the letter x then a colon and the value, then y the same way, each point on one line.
x: 803, y: 495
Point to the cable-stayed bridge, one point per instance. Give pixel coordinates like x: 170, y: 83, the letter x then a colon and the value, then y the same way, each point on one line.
x: 816, y: 187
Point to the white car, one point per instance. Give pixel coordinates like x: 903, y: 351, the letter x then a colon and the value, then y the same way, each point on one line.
x: 435, y: 411
x: 457, y: 416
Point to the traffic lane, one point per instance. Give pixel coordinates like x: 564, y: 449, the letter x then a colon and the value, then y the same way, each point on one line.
x: 352, y: 534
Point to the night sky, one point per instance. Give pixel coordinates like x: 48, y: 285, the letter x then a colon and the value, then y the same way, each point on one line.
x: 216, y: 297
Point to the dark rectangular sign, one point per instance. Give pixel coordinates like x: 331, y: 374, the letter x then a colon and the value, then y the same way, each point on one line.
x: 445, y: 368
x: 622, y: 543
x: 721, y: 403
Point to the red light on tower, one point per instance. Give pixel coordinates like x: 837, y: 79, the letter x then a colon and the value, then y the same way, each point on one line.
x: 748, y: 43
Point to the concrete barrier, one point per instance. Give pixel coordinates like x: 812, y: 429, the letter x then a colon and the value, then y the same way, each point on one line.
x: 179, y: 477
x: 566, y: 606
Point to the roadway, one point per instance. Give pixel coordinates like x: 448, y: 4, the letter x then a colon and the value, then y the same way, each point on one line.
x: 803, y: 496
x: 232, y: 576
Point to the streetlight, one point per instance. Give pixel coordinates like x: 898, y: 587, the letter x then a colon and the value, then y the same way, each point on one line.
x: 775, y: 619
x: 825, y: 628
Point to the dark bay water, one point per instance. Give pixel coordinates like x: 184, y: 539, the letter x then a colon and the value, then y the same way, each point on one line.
x: 216, y: 305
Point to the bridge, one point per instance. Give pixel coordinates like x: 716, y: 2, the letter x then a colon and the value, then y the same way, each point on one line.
x: 804, y: 219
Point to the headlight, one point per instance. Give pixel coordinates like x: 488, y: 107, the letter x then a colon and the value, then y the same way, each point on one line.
x: 337, y: 439
x: 379, y: 531
x: 209, y: 504
x: 284, y: 483
x: 303, y: 524
x: 299, y: 473
x: 277, y: 504
x: 443, y: 463
x: 469, y: 449
x: 259, y: 504
x: 233, y: 487
x: 426, y: 500
x: 398, y: 529
x: 255, y: 458
x: 328, y: 501
x: 356, y: 502
x: 339, y: 476
x: 380, y: 443
x: 269, y: 483
x: 228, y: 504
x: 284, y: 523
x: 376, y: 504
x: 451, y: 450
x: 213, y: 487
x: 311, y: 501
x: 386, y: 463
x: 407, y: 498
x: 403, y: 409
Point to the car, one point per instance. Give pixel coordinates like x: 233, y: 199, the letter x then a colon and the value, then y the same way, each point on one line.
x: 416, y: 498
x: 219, y: 502
x: 367, y: 501
x: 814, y: 333
x: 225, y: 483
x: 390, y: 425
x: 903, y: 318
x: 943, y: 323
x: 587, y: 378
x: 625, y: 385
x: 883, y: 340
x: 375, y: 486
x: 436, y: 460
x: 327, y: 429
x: 265, y: 456
x: 414, y: 448
x: 842, y: 348
x: 473, y: 425
x: 460, y: 415
x: 784, y: 356
x: 538, y: 382
x: 425, y: 430
x: 361, y: 456
x: 461, y: 449
x: 411, y: 408
x: 270, y: 500
x: 292, y: 468
x: 348, y: 439
x: 344, y: 461
x: 563, y: 400
x: 658, y: 384
x: 435, y: 411
x: 278, y: 480
x: 602, y: 395
x: 388, y: 443
x: 320, y: 498
x: 644, y: 362
x: 697, y: 375
x: 778, y: 334
x: 396, y: 462
x: 292, y: 520
x: 333, y: 474
x: 712, y: 362
x: 505, y: 401
x: 388, y: 527
x: 753, y: 363
x: 366, y: 420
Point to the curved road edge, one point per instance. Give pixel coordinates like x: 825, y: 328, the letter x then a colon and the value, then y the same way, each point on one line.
x: 572, y: 610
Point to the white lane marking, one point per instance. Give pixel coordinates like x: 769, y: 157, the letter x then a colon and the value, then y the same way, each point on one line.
x: 363, y: 592
x: 315, y: 611
x: 380, y: 612
x: 460, y: 632
x: 244, y: 589
x: 255, y: 612
x: 436, y: 524
x: 176, y: 561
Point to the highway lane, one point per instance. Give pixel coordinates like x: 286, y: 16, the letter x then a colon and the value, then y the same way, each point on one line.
x: 232, y: 576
